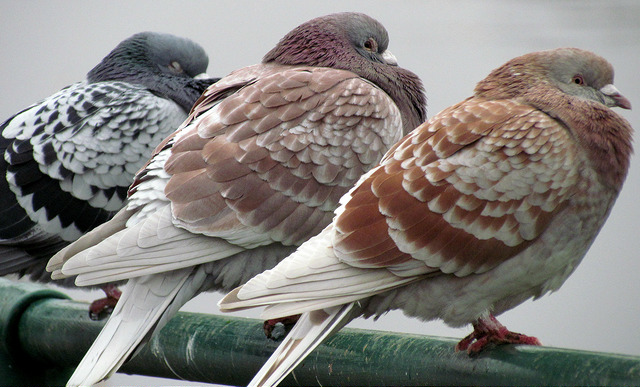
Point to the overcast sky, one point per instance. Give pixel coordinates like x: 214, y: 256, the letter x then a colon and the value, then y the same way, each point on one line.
x: 451, y: 45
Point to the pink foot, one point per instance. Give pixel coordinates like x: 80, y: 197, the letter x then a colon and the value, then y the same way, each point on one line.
x: 488, y: 332
x: 288, y: 322
x: 99, y: 308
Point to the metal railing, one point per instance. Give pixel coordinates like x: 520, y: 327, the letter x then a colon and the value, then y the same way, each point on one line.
x: 43, y: 335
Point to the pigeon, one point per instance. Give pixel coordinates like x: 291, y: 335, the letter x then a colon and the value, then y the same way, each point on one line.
x: 256, y: 170
x: 69, y: 159
x: 493, y: 201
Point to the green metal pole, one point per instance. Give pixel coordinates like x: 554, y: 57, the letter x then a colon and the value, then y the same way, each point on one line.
x: 228, y: 350
x: 16, y: 366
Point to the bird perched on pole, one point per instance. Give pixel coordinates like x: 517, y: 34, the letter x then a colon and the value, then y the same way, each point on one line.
x: 69, y: 159
x: 257, y: 169
x: 493, y: 201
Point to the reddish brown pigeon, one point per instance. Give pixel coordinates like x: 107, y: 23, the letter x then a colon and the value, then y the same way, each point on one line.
x: 493, y: 201
x: 256, y: 170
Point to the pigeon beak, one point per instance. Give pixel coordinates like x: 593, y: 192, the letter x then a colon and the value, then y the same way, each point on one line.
x: 202, y: 76
x: 389, y: 58
x: 615, y: 98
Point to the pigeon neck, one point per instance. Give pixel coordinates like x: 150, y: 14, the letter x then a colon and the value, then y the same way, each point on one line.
x: 125, y: 63
x: 183, y: 91
x: 604, y: 134
x: 409, y: 98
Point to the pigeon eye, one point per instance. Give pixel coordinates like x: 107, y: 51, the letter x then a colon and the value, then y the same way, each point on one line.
x: 578, y: 79
x: 371, y: 45
x: 175, y: 67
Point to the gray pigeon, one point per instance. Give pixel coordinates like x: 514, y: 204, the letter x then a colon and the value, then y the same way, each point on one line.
x: 256, y: 170
x: 69, y: 159
x: 493, y: 201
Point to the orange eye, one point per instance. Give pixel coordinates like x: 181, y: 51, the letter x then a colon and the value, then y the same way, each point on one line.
x: 371, y: 45
x: 578, y: 79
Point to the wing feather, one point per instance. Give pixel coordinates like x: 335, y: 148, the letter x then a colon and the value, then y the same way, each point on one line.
x: 455, y: 195
x: 278, y: 146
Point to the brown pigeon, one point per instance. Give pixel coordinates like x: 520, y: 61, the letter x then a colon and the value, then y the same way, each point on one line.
x: 493, y: 201
x: 257, y: 169
x: 68, y: 160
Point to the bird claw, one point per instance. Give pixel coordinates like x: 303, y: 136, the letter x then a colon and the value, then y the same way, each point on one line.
x: 278, y: 328
x: 102, y: 307
x: 490, y: 332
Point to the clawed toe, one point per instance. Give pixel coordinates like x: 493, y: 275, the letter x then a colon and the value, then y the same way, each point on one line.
x: 104, y: 306
x: 488, y: 332
x: 277, y: 328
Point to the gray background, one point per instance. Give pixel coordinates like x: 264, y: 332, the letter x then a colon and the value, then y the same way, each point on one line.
x: 451, y: 45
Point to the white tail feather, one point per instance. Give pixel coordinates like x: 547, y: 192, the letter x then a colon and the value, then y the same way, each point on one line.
x: 142, y: 304
x: 312, y: 328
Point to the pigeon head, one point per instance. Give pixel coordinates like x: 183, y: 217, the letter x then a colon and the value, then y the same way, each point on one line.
x: 358, y: 43
x: 176, y: 55
x: 163, y: 63
x: 572, y: 71
x: 332, y: 41
x: 584, y: 74
x: 151, y: 53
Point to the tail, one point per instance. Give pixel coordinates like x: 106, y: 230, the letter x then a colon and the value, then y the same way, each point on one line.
x: 312, y: 328
x: 146, y: 305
